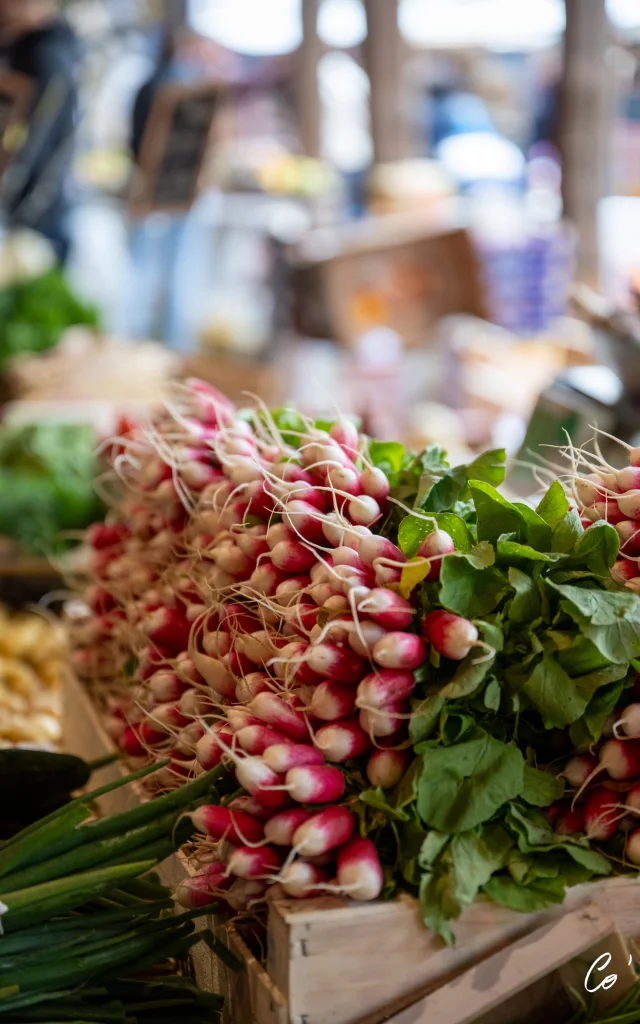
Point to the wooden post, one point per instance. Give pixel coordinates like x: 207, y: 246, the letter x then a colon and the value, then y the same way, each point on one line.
x: 586, y: 98
x: 308, y: 96
x: 383, y: 58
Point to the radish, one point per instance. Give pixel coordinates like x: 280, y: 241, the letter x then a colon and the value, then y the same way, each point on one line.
x: 232, y: 559
x: 234, y: 826
x: 265, y: 579
x: 292, y: 556
x: 255, y: 739
x: 253, y: 540
x: 292, y: 662
x: 314, y: 784
x: 386, y: 721
x: 300, y: 879
x: 385, y: 768
x: 628, y: 479
x: 578, y: 769
x: 130, y: 743
x: 450, y: 635
x: 253, y: 862
x: 589, y: 489
x: 345, y: 433
x: 239, y: 718
x: 435, y: 546
x: 209, y: 751
x: 632, y: 799
x: 629, y: 722
x: 629, y: 534
x: 601, y: 814
x: 400, y: 651
x: 283, y: 756
x: 371, y: 632
x: 198, y: 891
x: 619, y: 758
x: 632, y: 847
x: 280, y: 828
x: 374, y: 483
x: 259, y: 781
x: 251, y: 806
x: 568, y: 820
x: 165, y: 685
x: 251, y: 685
x: 278, y: 532
x: 340, y: 741
x: 614, y: 511
x: 344, y: 555
x: 364, y: 511
x: 289, y: 591
x: 324, y: 831
x: 387, y: 608
x: 338, y: 663
x: 624, y: 570
x: 345, y: 479
x: 304, y: 520
x: 276, y: 713
x: 383, y: 687
x: 359, y: 871
x: 218, y: 643
x: 332, y: 700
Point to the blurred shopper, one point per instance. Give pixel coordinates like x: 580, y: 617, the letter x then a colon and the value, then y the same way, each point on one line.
x: 156, y: 239
x: 36, y: 43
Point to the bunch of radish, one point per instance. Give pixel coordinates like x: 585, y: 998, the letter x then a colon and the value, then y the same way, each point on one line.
x: 247, y: 582
x: 604, y: 493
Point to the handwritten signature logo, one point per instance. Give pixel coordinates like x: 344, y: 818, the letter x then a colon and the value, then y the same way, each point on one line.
x: 610, y: 979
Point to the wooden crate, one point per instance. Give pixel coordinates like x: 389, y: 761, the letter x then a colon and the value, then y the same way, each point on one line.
x: 332, y: 961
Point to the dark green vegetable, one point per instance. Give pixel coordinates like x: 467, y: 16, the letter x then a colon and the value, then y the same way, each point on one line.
x: 32, y: 778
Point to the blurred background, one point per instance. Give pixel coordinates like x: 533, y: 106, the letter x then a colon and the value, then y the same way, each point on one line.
x: 424, y: 212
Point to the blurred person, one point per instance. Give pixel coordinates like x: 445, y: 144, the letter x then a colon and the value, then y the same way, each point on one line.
x: 156, y: 239
x: 38, y: 44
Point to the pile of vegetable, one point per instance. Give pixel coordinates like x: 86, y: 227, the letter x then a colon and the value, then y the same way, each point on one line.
x: 47, y: 473
x: 415, y: 680
x: 33, y: 654
x: 83, y: 921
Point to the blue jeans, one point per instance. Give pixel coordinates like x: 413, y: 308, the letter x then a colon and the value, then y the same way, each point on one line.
x: 152, y: 305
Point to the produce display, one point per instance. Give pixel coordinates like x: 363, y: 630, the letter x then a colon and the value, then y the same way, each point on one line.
x: 47, y: 473
x: 417, y: 683
x: 84, y: 923
x: 33, y: 654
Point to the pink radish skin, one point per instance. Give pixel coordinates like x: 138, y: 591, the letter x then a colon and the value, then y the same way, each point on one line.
x: 217, y: 644
x: 169, y: 629
x: 450, y: 635
x: 340, y: 741
x: 387, y: 608
x: 324, y: 831
x: 338, y: 663
x: 256, y: 739
x: 347, y: 556
x: 253, y: 541
x: 198, y: 891
x: 613, y: 511
x: 384, y: 687
x: 251, y: 862
x: 629, y: 534
x: 628, y: 479
x: 301, y: 879
x: 251, y: 806
x: 315, y: 784
x: 374, y: 483
x: 359, y: 870
x: 345, y: 433
x: 385, y: 768
x: 252, y: 684
x: 372, y: 547
x: 568, y: 821
x: 240, y: 718
x: 166, y: 685
x: 578, y: 769
x: 435, y: 546
x: 209, y: 752
x: 344, y: 478
x: 280, y: 829
x: 332, y: 701
x: 277, y: 533
x: 371, y: 632
x: 589, y: 489
x: 292, y: 556
x: 385, y: 722
x: 632, y: 799
x: 601, y: 814
x: 400, y: 651
x: 275, y: 712
x: 632, y: 847
x: 629, y: 722
x: 303, y: 520
x: 364, y: 511
x: 257, y: 778
x: 288, y: 592
x: 234, y: 826
x: 281, y: 757
x: 265, y: 579
x: 620, y: 759
x: 624, y: 570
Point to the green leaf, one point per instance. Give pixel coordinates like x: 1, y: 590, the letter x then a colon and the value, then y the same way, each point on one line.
x: 567, y: 533
x: 610, y: 619
x: 425, y: 717
x: 541, y: 788
x: 526, y: 898
x: 442, y: 495
x: 433, y: 845
x: 554, y: 694
x: 597, y: 548
x: 554, y: 505
x: 387, y: 456
x: 527, y: 603
x: 490, y: 467
x: 377, y: 799
x: 509, y: 551
x: 492, y: 695
x: 413, y: 530
x: 468, y: 677
x: 538, y: 533
x: 464, y: 785
x: 589, y: 728
x: 469, y: 591
x: 438, y: 903
x: 414, y: 572
x: 495, y: 515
